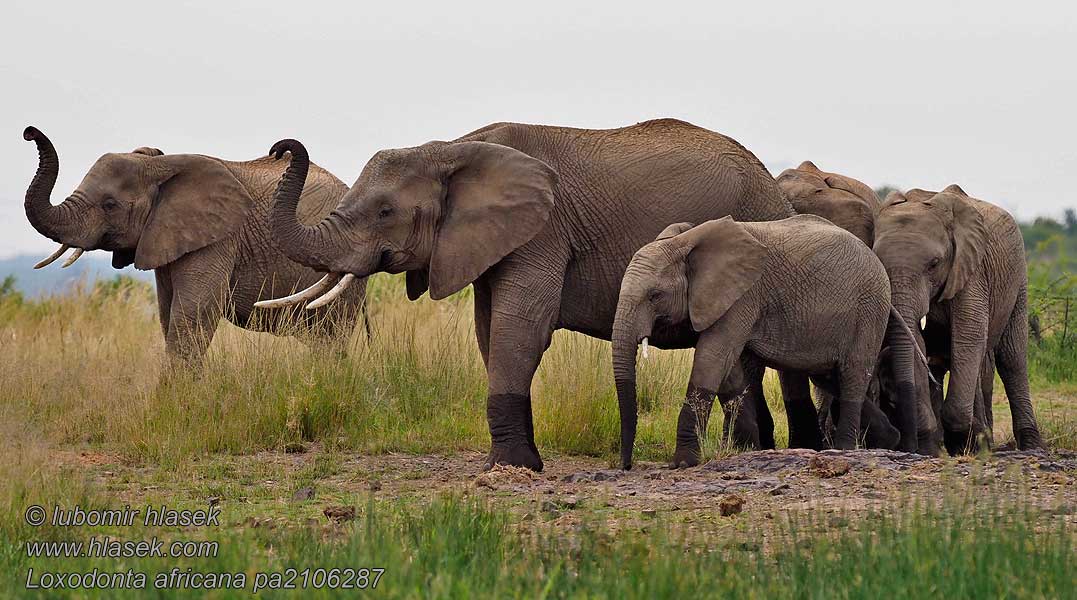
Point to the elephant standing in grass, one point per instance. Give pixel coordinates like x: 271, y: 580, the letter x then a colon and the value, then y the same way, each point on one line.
x: 960, y: 262
x: 851, y: 205
x: 798, y: 294
x: 201, y: 224
x: 541, y: 220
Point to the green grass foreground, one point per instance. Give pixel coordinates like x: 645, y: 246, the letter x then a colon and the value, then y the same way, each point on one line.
x: 460, y: 548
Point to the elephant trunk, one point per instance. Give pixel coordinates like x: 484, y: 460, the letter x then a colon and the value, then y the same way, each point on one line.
x: 312, y: 246
x: 903, y: 356
x: 626, y: 333
x: 65, y: 223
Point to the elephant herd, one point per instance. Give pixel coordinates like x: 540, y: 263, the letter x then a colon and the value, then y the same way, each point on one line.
x: 663, y: 233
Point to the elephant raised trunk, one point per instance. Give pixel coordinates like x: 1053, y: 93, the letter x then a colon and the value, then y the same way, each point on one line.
x: 311, y: 246
x: 628, y: 328
x: 65, y: 223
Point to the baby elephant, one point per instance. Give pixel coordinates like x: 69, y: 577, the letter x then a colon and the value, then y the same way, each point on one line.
x: 798, y: 294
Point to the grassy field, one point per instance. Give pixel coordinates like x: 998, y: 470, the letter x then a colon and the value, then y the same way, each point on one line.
x: 82, y: 377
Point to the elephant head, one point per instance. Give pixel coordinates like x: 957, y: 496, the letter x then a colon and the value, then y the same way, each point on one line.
x: 687, y: 274
x: 443, y: 212
x: 144, y: 207
x: 932, y: 246
x: 844, y: 201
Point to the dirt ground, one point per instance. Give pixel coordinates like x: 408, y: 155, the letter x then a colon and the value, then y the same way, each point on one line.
x: 741, y: 491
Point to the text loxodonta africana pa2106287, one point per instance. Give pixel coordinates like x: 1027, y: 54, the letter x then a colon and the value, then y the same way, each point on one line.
x: 201, y: 224
x: 960, y: 262
x: 800, y: 294
x: 542, y: 220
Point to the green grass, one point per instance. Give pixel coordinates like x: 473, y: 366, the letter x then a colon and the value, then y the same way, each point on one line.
x: 454, y: 547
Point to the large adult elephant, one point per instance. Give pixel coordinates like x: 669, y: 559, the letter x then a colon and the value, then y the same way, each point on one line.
x: 542, y: 220
x: 201, y: 224
x: 960, y: 262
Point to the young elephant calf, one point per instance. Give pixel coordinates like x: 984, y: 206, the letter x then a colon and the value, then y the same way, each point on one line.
x: 799, y: 294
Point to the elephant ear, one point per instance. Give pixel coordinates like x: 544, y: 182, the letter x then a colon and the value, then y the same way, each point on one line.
x: 953, y: 188
x: 198, y: 202
x: 970, y: 243
x: 147, y: 151
x: 673, y: 230
x: 497, y: 199
x: 724, y: 261
x: 810, y: 167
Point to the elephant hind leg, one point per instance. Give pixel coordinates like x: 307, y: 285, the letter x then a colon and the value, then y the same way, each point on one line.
x: 800, y: 411
x: 1011, y: 357
x: 853, y: 385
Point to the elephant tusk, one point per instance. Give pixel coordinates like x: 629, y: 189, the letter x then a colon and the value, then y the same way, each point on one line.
x: 645, y: 347
x: 333, y: 293
x: 52, y: 257
x: 71, y: 259
x: 923, y: 322
x: 313, y: 291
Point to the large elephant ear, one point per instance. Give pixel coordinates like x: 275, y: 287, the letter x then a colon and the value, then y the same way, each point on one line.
x: 497, y: 199
x: 970, y: 243
x: 724, y: 261
x: 198, y: 202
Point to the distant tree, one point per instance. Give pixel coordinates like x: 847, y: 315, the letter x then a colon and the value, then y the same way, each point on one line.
x: 1071, y: 221
x: 884, y: 190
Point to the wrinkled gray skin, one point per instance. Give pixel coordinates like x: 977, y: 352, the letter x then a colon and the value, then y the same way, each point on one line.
x: 799, y: 294
x: 201, y: 224
x: 961, y: 262
x: 542, y: 220
x: 851, y: 205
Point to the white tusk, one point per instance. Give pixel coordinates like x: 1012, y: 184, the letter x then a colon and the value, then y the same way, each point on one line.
x: 333, y: 293
x: 923, y: 322
x: 71, y: 259
x: 313, y: 291
x: 52, y: 257
x: 645, y: 347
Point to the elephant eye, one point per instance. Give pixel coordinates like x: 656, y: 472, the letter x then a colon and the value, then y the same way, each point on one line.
x: 654, y: 295
x: 934, y: 263
x: 385, y: 211
x: 110, y: 203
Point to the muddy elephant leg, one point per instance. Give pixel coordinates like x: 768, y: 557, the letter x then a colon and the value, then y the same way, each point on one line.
x: 1011, y: 357
x: 716, y: 359
x: 523, y: 312
x: 800, y: 411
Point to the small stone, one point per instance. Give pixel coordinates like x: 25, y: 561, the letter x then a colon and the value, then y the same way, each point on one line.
x: 779, y: 489
x: 649, y: 513
x: 213, y: 500
x: 549, y: 506
x: 731, y: 505
x: 374, y: 485
x: 827, y: 467
x: 570, y: 502
x: 303, y: 494
x: 339, y: 514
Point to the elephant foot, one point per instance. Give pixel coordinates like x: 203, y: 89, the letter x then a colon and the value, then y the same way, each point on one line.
x: 686, y: 457
x: 959, y: 441
x: 1028, y: 438
x: 517, y: 455
x: 927, y: 443
x: 512, y: 432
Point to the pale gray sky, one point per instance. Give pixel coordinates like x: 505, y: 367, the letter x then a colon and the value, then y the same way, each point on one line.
x: 915, y: 95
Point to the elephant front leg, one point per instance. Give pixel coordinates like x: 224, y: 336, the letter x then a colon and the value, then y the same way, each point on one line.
x: 968, y: 341
x: 711, y: 368
x: 517, y: 340
x: 800, y: 411
x: 199, y: 285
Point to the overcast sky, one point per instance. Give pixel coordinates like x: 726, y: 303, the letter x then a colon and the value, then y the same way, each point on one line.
x: 918, y: 95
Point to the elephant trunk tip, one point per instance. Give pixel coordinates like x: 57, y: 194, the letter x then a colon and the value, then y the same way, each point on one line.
x: 32, y: 134
x: 295, y: 147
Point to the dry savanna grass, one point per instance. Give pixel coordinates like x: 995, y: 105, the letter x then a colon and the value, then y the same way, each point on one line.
x: 86, y: 367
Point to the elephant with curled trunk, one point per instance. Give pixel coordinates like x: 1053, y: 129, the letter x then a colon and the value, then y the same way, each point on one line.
x: 798, y: 294
x: 960, y: 262
x: 541, y: 220
x: 201, y: 224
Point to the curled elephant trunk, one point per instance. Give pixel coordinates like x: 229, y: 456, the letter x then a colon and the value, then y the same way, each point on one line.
x: 64, y: 223
x: 626, y: 333
x: 312, y: 246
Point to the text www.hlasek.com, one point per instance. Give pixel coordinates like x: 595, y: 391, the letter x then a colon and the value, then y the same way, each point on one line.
x: 174, y: 578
